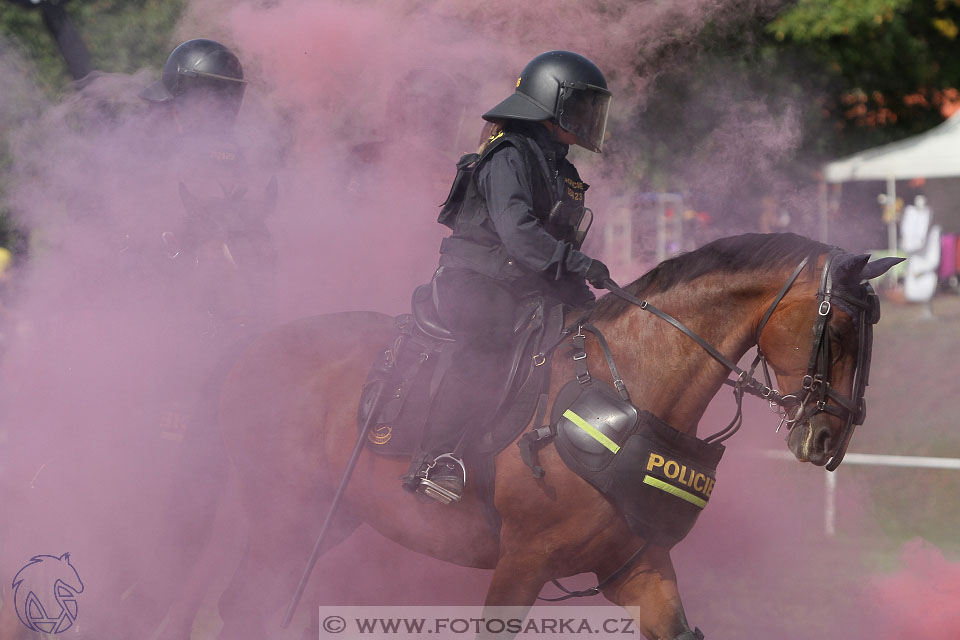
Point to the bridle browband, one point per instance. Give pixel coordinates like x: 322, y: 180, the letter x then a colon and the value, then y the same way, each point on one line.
x: 816, y: 392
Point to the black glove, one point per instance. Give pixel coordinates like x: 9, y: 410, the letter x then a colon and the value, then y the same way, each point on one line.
x: 597, y: 274
x: 579, y: 297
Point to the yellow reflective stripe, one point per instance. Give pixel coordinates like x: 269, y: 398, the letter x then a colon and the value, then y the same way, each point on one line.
x: 596, y: 435
x: 672, y: 490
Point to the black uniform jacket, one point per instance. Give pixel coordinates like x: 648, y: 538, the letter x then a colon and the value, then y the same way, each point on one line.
x: 519, y: 215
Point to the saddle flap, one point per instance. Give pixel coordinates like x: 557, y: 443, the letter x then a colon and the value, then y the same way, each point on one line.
x: 425, y: 314
x: 405, y: 371
x: 529, y: 312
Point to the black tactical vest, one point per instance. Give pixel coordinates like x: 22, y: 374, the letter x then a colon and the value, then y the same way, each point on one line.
x: 558, y: 202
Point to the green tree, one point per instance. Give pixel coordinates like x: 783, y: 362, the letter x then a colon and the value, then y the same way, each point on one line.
x: 121, y: 36
x: 891, y: 64
x: 845, y: 75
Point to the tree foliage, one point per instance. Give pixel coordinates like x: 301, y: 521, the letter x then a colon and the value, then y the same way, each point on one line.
x: 122, y: 35
x: 892, y: 64
x: 846, y: 74
x: 817, y: 20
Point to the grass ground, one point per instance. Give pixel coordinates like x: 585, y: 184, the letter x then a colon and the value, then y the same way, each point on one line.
x: 782, y: 577
x: 913, y: 403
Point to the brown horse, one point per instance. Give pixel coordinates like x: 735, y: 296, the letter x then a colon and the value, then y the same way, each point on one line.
x: 289, y: 407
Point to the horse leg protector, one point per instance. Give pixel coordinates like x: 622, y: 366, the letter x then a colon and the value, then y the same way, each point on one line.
x: 696, y: 634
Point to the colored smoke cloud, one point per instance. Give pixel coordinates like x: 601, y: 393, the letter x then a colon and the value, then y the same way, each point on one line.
x: 359, y: 111
x: 920, y: 599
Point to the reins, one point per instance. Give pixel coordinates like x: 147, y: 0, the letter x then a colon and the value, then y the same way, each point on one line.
x: 592, y: 591
x: 816, y: 383
x: 745, y: 381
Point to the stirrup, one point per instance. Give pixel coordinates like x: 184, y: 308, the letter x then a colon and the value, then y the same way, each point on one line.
x: 445, y: 487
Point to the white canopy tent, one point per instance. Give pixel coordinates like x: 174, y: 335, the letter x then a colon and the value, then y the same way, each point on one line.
x: 932, y: 154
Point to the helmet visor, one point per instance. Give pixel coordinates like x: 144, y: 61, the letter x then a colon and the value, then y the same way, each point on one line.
x: 583, y: 111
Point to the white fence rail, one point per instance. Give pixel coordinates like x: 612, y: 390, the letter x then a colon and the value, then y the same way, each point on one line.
x: 866, y: 459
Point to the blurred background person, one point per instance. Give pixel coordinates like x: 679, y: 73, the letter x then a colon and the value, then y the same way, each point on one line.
x: 220, y: 265
x: 920, y: 240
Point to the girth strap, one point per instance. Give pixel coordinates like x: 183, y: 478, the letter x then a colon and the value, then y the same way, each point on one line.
x: 592, y: 591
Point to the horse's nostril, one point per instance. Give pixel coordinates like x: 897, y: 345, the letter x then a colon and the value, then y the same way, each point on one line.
x: 822, y: 441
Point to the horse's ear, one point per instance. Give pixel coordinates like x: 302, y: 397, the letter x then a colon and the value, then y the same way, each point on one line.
x: 850, y: 267
x: 191, y: 203
x: 878, y: 267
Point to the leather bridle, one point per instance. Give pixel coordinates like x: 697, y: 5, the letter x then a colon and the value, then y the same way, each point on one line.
x: 817, y: 394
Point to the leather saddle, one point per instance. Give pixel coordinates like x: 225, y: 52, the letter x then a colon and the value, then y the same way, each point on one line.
x: 425, y: 314
x: 411, y: 368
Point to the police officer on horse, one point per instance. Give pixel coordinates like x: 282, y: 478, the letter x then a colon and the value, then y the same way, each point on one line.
x: 202, y: 87
x: 518, y: 217
x: 202, y: 81
x: 218, y: 269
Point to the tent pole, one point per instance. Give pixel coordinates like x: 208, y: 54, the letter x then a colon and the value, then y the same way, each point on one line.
x: 823, y: 205
x: 892, y: 217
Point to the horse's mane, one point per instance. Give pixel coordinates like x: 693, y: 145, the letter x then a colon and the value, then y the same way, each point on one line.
x: 735, y: 254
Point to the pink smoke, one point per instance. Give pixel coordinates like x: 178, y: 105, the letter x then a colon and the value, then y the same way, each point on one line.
x: 920, y: 599
x: 112, y: 348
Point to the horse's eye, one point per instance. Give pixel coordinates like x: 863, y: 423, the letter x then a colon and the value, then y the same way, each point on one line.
x: 837, y: 343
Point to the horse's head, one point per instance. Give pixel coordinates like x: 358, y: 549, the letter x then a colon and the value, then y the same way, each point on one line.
x: 234, y: 218
x: 224, y: 249
x: 818, y: 337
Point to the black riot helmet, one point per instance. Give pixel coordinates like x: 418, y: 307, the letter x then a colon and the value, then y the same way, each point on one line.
x: 200, y: 67
x: 564, y: 87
